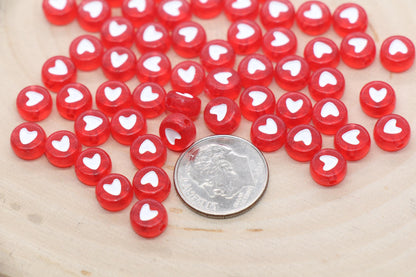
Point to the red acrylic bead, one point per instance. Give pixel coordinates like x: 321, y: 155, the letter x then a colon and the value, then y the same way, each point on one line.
x: 92, y: 14
x: 223, y: 82
x: 217, y: 53
x: 303, y: 142
x: 326, y: 83
x: 34, y: 103
x: 177, y: 131
x: 268, y: 133
x: 115, y: 3
x: 254, y: 70
x: 112, y: 96
x: 241, y: 9
x: 206, y: 9
x: 329, y: 114
x: 72, y: 100
x: 397, y: 54
x: 86, y: 52
x: 321, y: 52
x: 188, y: 38
x: 57, y: 72
x: 352, y: 141
x: 313, y: 18
x: 62, y: 148
x: 222, y: 116
x: 188, y: 77
x: 277, y: 13
x: 117, y: 31
x: 328, y: 167
x: 92, y: 165
x: 294, y: 108
x: 60, y: 12
x: 358, y: 50
x: 149, y: 99
x: 148, y: 218
x: 138, y: 12
x: 28, y: 141
x: 153, y: 67
x: 148, y: 150
x: 377, y: 98
x: 127, y: 125
x: 279, y: 43
x: 182, y: 102
x: 172, y: 12
x: 392, y: 132
x: 151, y: 182
x: 114, y: 192
x: 244, y: 36
x: 92, y: 128
x: 349, y: 18
x: 292, y: 73
x: 119, y: 63
x: 151, y: 37
x: 256, y: 101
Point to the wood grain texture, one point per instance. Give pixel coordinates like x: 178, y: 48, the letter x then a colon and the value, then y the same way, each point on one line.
x: 51, y: 224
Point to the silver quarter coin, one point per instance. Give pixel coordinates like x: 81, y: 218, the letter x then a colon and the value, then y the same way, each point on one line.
x: 221, y: 176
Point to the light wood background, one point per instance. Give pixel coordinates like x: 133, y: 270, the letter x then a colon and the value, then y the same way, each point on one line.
x: 52, y: 225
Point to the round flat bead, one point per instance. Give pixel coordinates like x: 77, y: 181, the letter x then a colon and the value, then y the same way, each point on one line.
x: 377, y: 98
x: 222, y: 116
x: 172, y: 12
x: 303, y: 142
x: 268, y: 133
x: 295, y: 108
x: 34, y: 103
x: 152, y: 37
x: 188, y: 77
x: 72, y: 100
x: 114, y: 192
x: 223, y: 82
x: 328, y: 167
x: 112, y: 96
x: 352, y: 141
x: 392, y: 132
x: 62, y: 148
x: 326, y: 83
x: 277, y: 13
x: 397, y: 54
x: 154, y: 67
x: 86, y: 52
x: 60, y: 12
x: 279, y: 43
x: 117, y: 31
x: 92, y: 14
x: 28, y: 141
x: 244, y: 36
x: 358, y: 50
x: 184, y: 103
x: 329, y: 114
x: 126, y: 125
x: 138, y: 12
x: 292, y: 73
x: 188, y: 38
x: 92, y: 128
x: 321, y: 52
x: 256, y: 101
x: 217, y: 53
x: 349, y: 18
x: 148, y: 150
x: 92, y: 165
x: 57, y: 72
x: 255, y: 69
x: 241, y: 9
x: 151, y: 182
x: 206, y: 9
x: 177, y: 131
x: 149, y: 99
x: 119, y: 63
x: 148, y: 218
x: 313, y: 18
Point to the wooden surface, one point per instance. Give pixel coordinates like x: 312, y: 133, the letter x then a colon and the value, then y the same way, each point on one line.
x: 52, y: 225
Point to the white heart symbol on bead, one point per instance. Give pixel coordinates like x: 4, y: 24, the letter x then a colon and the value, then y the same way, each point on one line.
x: 220, y: 111
x: 147, y: 146
x: 59, y: 68
x: 27, y: 136
x: 222, y: 77
x: 330, y: 162
x: 147, y: 214
x: 114, y: 188
x: 350, y: 137
x: 351, y: 14
x: 58, y: 4
x: 85, y: 45
x: 391, y: 127
x: 270, y: 128
x: 327, y: 78
x: 328, y: 109
x: 258, y: 97
x: 150, y: 178
x: 254, y: 65
x: 244, y: 31
x: 172, y: 136
x: 359, y: 44
x: 147, y: 94
x: 215, y: 51
x: 187, y: 75
x: 304, y: 136
x: 293, y: 67
x: 62, y: 145
x: 314, y: 12
x: 377, y: 95
x: 116, y: 29
x: 94, y: 8
x: 294, y: 106
x: 127, y: 122
x: 172, y: 8
x: 74, y: 95
x: 34, y: 98
x: 276, y: 7
x: 241, y: 4
x: 152, y: 63
x: 92, y: 163
x: 150, y: 34
x: 92, y: 122
x: 280, y: 39
x: 189, y: 33
x: 112, y: 94
x: 140, y: 5
x: 118, y: 60
x: 320, y: 49
x: 397, y: 46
